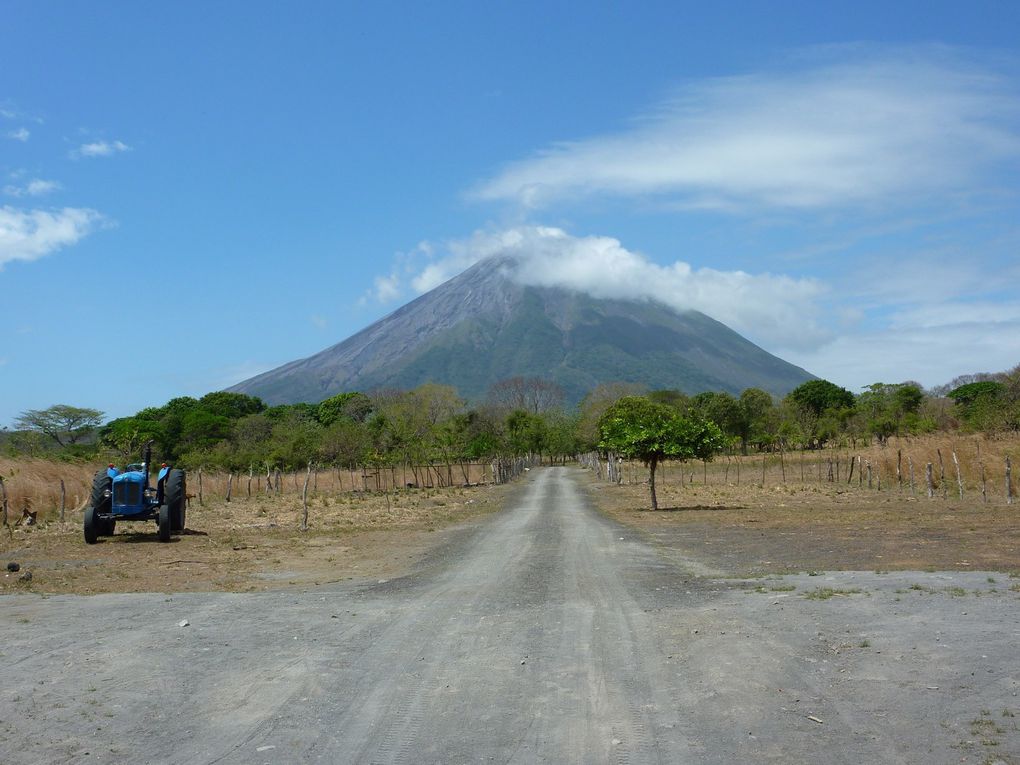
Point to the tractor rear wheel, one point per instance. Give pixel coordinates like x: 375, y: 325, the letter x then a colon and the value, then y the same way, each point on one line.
x: 100, y: 502
x: 163, y: 533
x: 175, y: 495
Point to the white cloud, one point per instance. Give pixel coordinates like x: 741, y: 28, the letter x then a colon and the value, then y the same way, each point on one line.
x: 860, y: 132
x: 777, y: 310
x: 37, y: 187
x: 932, y: 355
x: 34, y: 188
x: 32, y: 234
x: 100, y: 149
x: 386, y: 288
x: 21, y: 134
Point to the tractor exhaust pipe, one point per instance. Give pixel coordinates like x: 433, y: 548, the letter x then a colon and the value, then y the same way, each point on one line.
x: 146, y: 456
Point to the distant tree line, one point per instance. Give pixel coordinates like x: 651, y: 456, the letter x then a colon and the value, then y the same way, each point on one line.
x: 432, y: 424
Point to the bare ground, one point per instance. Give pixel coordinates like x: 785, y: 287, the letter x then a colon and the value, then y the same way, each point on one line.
x: 245, y: 545
x: 747, y: 530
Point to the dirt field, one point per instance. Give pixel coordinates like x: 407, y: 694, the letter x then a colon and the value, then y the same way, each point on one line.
x: 747, y: 530
x: 244, y: 545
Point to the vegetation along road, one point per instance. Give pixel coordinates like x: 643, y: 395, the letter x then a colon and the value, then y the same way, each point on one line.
x: 544, y: 633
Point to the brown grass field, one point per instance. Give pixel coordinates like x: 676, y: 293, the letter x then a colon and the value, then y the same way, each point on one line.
x: 747, y: 526
x: 246, y: 544
x: 722, y: 517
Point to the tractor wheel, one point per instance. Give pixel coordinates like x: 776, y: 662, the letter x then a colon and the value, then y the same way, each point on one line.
x: 163, y: 533
x: 99, y: 502
x: 93, y: 526
x: 108, y: 527
x: 175, y: 495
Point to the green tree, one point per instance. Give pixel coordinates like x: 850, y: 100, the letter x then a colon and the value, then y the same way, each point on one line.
x: 821, y: 410
x: 637, y: 428
x: 981, y: 404
x: 821, y: 395
x: 127, y: 435
x: 233, y: 406
x: 346, y: 443
x: 595, y: 403
x: 525, y: 433
x: 756, y: 410
x: 888, y: 410
x: 65, y: 424
x: 720, y: 408
x: 295, y: 441
x: 352, y: 406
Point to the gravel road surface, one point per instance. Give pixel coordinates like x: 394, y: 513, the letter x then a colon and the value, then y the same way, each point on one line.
x: 545, y: 633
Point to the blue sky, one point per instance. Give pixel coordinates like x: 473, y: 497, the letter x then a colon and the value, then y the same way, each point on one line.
x: 191, y: 193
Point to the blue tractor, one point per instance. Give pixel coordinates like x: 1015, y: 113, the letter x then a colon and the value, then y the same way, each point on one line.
x: 127, y: 496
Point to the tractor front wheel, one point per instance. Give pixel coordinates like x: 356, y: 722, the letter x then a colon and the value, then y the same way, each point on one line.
x: 99, y: 502
x: 176, y: 496
x: 93, y: 526
x: 163, y: 534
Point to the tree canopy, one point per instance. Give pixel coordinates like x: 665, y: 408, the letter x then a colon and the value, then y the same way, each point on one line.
x: 65, y: 424
x: 638, y: 428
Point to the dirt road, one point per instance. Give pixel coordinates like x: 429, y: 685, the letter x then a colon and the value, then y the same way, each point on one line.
x: 545, y: 633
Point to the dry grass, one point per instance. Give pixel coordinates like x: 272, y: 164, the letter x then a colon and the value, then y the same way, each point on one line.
x: 748, y: 528
x: 34, y: 484
x: 811, y: 468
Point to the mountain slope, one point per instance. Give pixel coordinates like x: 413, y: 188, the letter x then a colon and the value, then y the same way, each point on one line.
x: 483, y: 326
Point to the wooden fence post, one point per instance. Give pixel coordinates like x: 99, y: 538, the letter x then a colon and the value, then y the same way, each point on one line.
x: 304, y: 499
x: 3, y: 506
x: 899, y: 470
x: 929, y: 477
x: 959, y: 475
x: 942, y: 475
x: 63, y: 499
x: 230, y: 484
x: 984, y: 485
x: 1009, y: 481
x: 850, y: 475
x: 913, y: 486
x: 200, y: 502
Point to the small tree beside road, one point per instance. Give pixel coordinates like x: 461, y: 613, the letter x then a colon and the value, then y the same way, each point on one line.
x: 637, y: 428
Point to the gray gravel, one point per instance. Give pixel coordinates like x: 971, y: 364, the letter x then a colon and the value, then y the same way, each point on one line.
x: 545, y: 634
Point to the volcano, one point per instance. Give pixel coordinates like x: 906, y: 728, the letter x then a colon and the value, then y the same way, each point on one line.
x: 486, y: 325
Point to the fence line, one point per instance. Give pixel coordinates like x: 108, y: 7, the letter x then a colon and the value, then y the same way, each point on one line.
x: 973, y: 477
